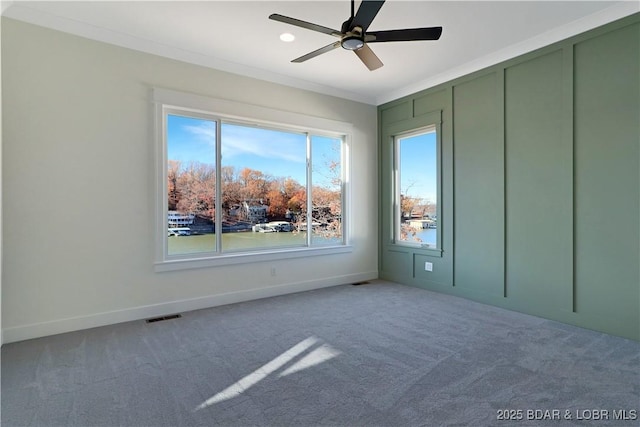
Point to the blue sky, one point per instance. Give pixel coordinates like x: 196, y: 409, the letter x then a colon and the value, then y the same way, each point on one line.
x: 190, y: 139
x: 418, y: 166
x: 283, y: 154
x: 280, y: 154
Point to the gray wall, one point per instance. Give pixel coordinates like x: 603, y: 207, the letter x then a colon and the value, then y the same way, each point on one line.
x: 540, y: 183
x: 78, y: 187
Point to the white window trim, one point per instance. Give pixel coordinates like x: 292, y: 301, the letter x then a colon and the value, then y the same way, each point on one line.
x: 237, y: 111
x: 436, y: 128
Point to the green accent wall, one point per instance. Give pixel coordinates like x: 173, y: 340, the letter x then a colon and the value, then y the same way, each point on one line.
x: 540, y: 183
x: 607, y: 93
x: 479, y: 187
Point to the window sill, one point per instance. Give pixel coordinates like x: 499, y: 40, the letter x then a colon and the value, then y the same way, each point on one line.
x: 247, y: 258
x: 418, y: 248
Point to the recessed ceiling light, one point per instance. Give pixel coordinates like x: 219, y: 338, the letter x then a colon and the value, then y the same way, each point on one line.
x: 287, y: 37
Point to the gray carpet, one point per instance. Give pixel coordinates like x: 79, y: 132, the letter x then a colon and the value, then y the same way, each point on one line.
x: 379, y: 354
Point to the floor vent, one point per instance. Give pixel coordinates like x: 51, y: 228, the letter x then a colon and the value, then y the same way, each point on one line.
x: 161, y: 318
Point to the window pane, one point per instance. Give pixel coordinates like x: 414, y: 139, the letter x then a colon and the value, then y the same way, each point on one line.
x: 191, y: 180
x: 417, y: 189
x: 263, y: 187
x: 326, y: 196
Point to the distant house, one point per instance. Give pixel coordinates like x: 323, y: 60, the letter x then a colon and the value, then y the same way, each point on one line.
x: 177, y: 219
x: 422, y: 223
x: 254, y: 211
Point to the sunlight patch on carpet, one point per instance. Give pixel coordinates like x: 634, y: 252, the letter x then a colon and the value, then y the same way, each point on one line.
x: 316, y: 357
x: 319, y: 355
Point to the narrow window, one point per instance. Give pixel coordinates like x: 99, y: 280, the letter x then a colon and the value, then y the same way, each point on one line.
x: 326, y: 201
x: 416, y: 188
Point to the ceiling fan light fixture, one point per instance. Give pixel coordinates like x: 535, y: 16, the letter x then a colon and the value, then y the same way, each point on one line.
x: 352, y: 42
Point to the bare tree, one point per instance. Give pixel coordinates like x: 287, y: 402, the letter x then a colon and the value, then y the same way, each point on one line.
x: 173, y: 172
x: 192, y: 188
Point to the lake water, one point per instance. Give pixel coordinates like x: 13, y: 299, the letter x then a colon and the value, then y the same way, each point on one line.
x: 427, y: 236
x: 242, y: 241
x: 249, y: 240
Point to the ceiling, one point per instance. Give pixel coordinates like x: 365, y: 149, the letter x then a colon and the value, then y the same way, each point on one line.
x: 238, y: 37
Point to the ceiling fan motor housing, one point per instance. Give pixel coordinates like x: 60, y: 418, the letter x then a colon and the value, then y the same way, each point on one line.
x: 346, y: 26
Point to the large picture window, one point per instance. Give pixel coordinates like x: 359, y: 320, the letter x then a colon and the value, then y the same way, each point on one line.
x: 235, y: 187
x: 417, y: 183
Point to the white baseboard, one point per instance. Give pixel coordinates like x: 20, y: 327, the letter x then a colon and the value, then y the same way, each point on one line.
x: 37, y: 330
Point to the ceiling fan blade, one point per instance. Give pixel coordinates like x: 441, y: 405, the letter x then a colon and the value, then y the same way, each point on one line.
x: 317, y: 52
x: 410, y: 34
x: 304, y: 24
x: 366, y: 12
x: 369, y: 58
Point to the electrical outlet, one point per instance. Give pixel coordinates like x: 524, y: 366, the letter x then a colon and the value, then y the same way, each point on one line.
x: 428, y: 266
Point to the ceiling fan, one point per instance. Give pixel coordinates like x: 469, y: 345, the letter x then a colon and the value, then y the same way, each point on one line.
x: 353, y: 34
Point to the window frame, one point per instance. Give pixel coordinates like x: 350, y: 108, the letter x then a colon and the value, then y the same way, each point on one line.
x: 223, y: 111
x: 431, y: 123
